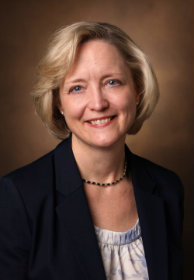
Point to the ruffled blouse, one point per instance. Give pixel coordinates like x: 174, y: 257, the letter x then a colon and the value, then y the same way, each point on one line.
x: 123, y: 254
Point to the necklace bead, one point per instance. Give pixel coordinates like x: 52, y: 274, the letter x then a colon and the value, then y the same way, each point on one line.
x: 108, y: 184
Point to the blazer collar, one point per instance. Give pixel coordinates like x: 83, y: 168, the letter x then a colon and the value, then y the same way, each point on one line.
x: 74, y: 215
x: 73, y: 210
x: 67, y: 174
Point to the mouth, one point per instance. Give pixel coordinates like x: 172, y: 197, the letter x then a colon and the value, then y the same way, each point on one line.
x: 101, y: 121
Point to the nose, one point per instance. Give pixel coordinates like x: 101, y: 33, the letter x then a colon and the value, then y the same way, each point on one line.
x: 97, y: 100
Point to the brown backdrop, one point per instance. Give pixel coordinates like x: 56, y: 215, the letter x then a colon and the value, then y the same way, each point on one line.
x: 163, y: 28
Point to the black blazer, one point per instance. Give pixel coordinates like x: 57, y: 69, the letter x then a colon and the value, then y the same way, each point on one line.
x: 46, y: 230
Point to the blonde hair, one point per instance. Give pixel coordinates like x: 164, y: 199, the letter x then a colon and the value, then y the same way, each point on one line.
x: 59, y: 58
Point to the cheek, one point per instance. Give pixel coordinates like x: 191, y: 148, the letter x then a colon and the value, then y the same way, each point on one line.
x: 127, y: 103
x: 72, y: 109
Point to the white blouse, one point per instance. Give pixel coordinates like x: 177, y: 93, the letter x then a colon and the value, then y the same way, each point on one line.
x: 123, y: 254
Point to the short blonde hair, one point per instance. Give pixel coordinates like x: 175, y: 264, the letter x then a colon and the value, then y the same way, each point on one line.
x: 59, y: 58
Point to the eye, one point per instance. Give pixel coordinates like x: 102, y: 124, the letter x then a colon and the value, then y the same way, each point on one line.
x: 114, y: 82
x: 75, y: 89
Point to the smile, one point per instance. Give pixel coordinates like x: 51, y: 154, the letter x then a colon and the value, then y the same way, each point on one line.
x: 101, y: 121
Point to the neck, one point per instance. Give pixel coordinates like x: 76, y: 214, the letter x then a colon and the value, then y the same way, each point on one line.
x: 103, y: 165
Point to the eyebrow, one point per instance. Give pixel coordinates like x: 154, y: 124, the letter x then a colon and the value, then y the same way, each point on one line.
x: 84, y: 80
x: 74, y: 81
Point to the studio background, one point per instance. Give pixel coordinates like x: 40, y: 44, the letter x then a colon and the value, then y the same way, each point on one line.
x: 163, y: 29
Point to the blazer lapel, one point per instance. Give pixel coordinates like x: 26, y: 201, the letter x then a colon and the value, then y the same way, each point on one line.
x: 74, y: 215
x: 152, y: 220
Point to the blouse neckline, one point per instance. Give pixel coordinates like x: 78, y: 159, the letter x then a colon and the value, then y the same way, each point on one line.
x: 118, y: 238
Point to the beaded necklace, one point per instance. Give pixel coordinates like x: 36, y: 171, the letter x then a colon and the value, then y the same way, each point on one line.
x: 108, y: 184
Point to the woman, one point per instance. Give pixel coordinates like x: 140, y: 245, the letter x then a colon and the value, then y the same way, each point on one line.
x: 91, y: 209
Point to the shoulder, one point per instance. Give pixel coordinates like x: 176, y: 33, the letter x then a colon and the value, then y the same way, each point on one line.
x: 39, y: 170
x: 167, y: 181
x: 29, y: 184
x: 34, y: 182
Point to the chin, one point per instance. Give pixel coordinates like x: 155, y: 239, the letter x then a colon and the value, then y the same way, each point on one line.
x: 106, y: 142
x: 100, y: 140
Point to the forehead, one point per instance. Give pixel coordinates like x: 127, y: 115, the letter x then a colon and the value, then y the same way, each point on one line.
x: 97, y: 47
x: 97, y: 55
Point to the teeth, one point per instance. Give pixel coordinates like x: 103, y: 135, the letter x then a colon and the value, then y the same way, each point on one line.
x: 100, y: 121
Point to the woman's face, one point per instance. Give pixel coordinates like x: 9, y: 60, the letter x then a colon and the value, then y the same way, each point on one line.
x: 98, y: 97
